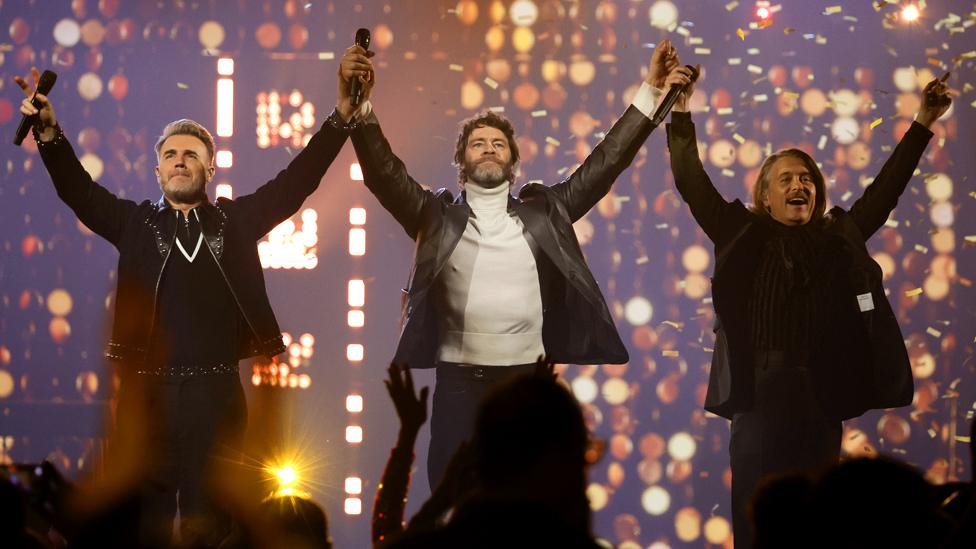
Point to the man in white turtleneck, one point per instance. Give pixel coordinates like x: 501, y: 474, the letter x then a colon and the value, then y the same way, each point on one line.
x: 498, y: 281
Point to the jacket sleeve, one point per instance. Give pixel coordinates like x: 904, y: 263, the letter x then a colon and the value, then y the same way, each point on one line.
x: 97, y: 207
x: 593, y: 179
x: 281, y: 197
x: 386, y: 177
x: 719, y: 218
x: 871, y: 211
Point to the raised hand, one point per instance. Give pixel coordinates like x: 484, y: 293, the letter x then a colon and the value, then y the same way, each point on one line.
x: 410, y: 407
x: 545, y: 367
x: 355, y: 63
x: 663, y: 61
x: 683, y: 76
x: 935, y: 101
x: 46, y: 120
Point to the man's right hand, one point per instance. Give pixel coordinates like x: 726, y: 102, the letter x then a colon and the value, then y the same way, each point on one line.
x: 355, y: 63
x: 46, y: 121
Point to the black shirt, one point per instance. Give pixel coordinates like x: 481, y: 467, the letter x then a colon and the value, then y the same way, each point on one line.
x: 785, y: 308
x: 198, y: 323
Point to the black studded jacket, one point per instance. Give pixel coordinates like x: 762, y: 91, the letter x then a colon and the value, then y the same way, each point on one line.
x: 144, y: 235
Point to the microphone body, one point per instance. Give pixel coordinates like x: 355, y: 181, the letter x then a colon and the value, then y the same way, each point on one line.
x: 355, y: 86
x: 671, y: 98
x: 44, y: 86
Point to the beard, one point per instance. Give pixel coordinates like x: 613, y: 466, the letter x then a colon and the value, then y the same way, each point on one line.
x: 188, y: 193
x: 488, y: 173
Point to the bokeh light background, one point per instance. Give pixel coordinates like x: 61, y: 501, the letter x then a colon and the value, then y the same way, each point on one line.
x: 840, y: 81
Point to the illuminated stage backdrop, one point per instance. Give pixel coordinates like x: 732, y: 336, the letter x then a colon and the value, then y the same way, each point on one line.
x: 841, y: 82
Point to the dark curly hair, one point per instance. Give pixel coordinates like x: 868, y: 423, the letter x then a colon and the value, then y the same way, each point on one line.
x: 485, y: 119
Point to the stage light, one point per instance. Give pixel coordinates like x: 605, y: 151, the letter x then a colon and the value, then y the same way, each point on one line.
x: 353, y: 506
x: 356, y: 319
x: 355, y: 172
x: 357, y: 293
x: 681, y: 446
x: 656, y: 500
x: 910, y: 13
x: 354, y: 434
x: 225, y: 159
x: 357, y: 242
x: 354, y: 485
x: 225, y: 107
x: 355, y: 352
x: 354, y: 404
x: 357, y: 216
x: 225, y: 66
x: 224, y: 190
x: 762, y: 13
x: 286, y: 476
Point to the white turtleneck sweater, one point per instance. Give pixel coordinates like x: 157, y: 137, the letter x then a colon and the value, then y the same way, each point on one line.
x: 488, y: 292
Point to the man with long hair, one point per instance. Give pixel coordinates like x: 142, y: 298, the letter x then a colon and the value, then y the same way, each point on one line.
x: 805, y: 337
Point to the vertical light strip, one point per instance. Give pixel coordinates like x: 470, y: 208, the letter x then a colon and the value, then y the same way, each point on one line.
x: 225, y: 107
x: 355, y: 351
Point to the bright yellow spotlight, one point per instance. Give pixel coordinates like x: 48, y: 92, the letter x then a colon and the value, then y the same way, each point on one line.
x: 910, y: 13
x: 286, y: 476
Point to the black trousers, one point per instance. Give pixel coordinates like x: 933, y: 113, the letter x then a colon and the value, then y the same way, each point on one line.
x: 191, y: 423
x: 458, y: 390
x: 785, y: 432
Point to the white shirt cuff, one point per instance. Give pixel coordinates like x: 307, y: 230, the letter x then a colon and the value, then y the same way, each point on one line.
x: 647, y: 98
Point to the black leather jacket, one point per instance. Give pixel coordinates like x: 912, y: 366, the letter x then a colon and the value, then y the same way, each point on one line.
x: 577, y: 327
x: 144, y: 234
x: 863, y: 363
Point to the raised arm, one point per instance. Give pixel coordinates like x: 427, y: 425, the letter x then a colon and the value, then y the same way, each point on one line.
x: 880, y: 197
x: 716, y: 216
x: 281, y: 197
x: 96, y: 207
x: 391, y: 494
x: 593, y: 179
x: 383, y: 173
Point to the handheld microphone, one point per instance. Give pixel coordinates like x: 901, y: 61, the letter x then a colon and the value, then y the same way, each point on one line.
x: 672, y: 96
x: 355, y: 86
x: 44, y: 86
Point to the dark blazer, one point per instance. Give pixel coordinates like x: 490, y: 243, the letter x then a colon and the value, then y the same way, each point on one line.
x: 576, y: 327
x: 863, y: 364
x: 144, y: 234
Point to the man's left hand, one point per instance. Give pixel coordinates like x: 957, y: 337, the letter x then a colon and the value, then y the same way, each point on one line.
x: 935, y: 101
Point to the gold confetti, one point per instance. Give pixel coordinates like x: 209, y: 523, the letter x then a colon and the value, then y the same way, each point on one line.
x: 455, y: 67
x: 669, y: 353
x: 724, y: 111
x: 791, y: 95
x: 537, y: 114
x: 642, y: 260
x: 182, y: 86
x: 921, y: 248
x: 740, y: 33
x: 552, y: 141
x: 731, y: 6
x: 326, y: 55
x: 914, y: 292
x: 788, y: 31
x: 933, y: 332
x: 961, y: 438
x: 764, y: 23
x: 491, y: 83
x: 876, y: 122
x: 833, y: 9
x: 703, y: 51
x: 673, y: 324
x: 738, y: 138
